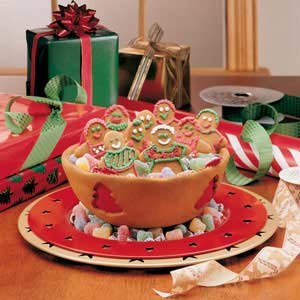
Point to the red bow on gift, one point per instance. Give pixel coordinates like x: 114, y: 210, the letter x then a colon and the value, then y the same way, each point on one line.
x: 74, y: 19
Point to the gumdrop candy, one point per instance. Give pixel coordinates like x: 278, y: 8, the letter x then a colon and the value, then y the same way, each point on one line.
x: 123, y: 233
x: 197, y: 225
x: 80, y: 222
x: 83, y: 164
x: 72, y: 159
x: 142, y: 235
x: 182, y: 228
x: 208, y: 220
x: 89, y: 227
x: 167, y: 172
x: 175, y: 234
x: 93, y: 162
x: 197, y: 163
x: 156, y: 232
x: 95, y: 220
x: 141, y: 168
x: 102, y: 232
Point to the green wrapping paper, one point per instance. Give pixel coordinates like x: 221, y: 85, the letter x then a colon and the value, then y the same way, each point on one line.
x: 57, y: 56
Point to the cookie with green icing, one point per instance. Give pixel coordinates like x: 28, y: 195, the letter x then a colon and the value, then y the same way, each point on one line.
x: 148, y: 119
x: 118, y: 157
x: 164, y: 112
x: 116, y: 117
x: 208, y: 120
x: 164, y: 151
x: 136, y: 135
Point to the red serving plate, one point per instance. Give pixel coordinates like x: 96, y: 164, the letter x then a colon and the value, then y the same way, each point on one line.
x: 246, y: 216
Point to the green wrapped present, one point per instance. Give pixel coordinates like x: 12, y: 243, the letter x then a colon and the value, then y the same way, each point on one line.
x: 86, y: 52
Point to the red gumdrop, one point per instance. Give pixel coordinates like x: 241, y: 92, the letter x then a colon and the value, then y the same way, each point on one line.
x: 123, y: 233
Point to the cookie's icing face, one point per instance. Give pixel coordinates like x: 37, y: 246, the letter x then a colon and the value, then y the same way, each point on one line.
x: 113, y: 141
x: 117, y: 117
x: 164, y: 113
x: 147, y: 118
x: 137, y: 133
x: 188, y: 130
x: 207, y: 122
x: 95, y: 133
x: 163, y: 138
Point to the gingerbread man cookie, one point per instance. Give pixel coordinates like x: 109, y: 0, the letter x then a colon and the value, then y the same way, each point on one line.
x: 208, y: 121
x: 118, y: 157
x: 147, y: 117
x: 164, y: 151
x: 164, y: 112
x: 116, y: 117
x: 93, y: 134
x: 188, y: 134
x: 135, y: 135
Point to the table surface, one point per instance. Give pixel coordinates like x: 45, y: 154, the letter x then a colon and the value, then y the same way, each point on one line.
x: 28, y: 273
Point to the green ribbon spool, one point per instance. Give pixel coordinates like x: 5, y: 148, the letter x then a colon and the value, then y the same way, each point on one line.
x: 54, y: 125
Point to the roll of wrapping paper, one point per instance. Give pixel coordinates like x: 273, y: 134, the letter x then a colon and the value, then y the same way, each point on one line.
x: 269, y: 262
x: 233, y: 99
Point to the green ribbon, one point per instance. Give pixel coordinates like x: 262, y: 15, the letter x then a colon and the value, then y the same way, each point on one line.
x: 253, y: 133
x: 258, y: 135
x: 287, y: 105
x: 54, y: 125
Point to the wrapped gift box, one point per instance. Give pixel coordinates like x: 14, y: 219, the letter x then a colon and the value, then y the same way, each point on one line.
x: 56, y: 56
x: 31, y: 182
x: 15, y: 149
x: 168, y: 76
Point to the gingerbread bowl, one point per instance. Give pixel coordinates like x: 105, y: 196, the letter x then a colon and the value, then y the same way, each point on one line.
x: 142, y: 202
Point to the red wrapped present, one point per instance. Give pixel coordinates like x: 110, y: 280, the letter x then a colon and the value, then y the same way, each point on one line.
x: 286, y: 149
x: 31, y: 182
x: 16, y: 148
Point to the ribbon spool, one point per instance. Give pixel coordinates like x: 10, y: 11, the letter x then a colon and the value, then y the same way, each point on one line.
x: 234, y: 99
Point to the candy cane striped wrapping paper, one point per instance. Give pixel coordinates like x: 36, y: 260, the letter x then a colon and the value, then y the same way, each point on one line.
x: 286, y: 150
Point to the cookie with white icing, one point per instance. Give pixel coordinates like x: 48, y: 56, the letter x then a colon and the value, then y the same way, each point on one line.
x: 164, y: 151
x: 164, y: 112
x: 93, y: 134
x: 148, y: 119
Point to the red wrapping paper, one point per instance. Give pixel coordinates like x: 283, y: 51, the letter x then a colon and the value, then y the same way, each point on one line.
x: 25, y: 185
x: 14, y: 149
x: 286, y: 149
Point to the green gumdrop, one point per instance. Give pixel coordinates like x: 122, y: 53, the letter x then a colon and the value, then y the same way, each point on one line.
x: 208, y: 220
x: 197, y: 163
x: 182, y: 228
x: 107, y: 225
x: 141, y: 168
x: 143, y: 235
x: 206, y: 155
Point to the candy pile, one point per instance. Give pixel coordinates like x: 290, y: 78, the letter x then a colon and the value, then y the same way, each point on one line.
x: 211, y: 217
